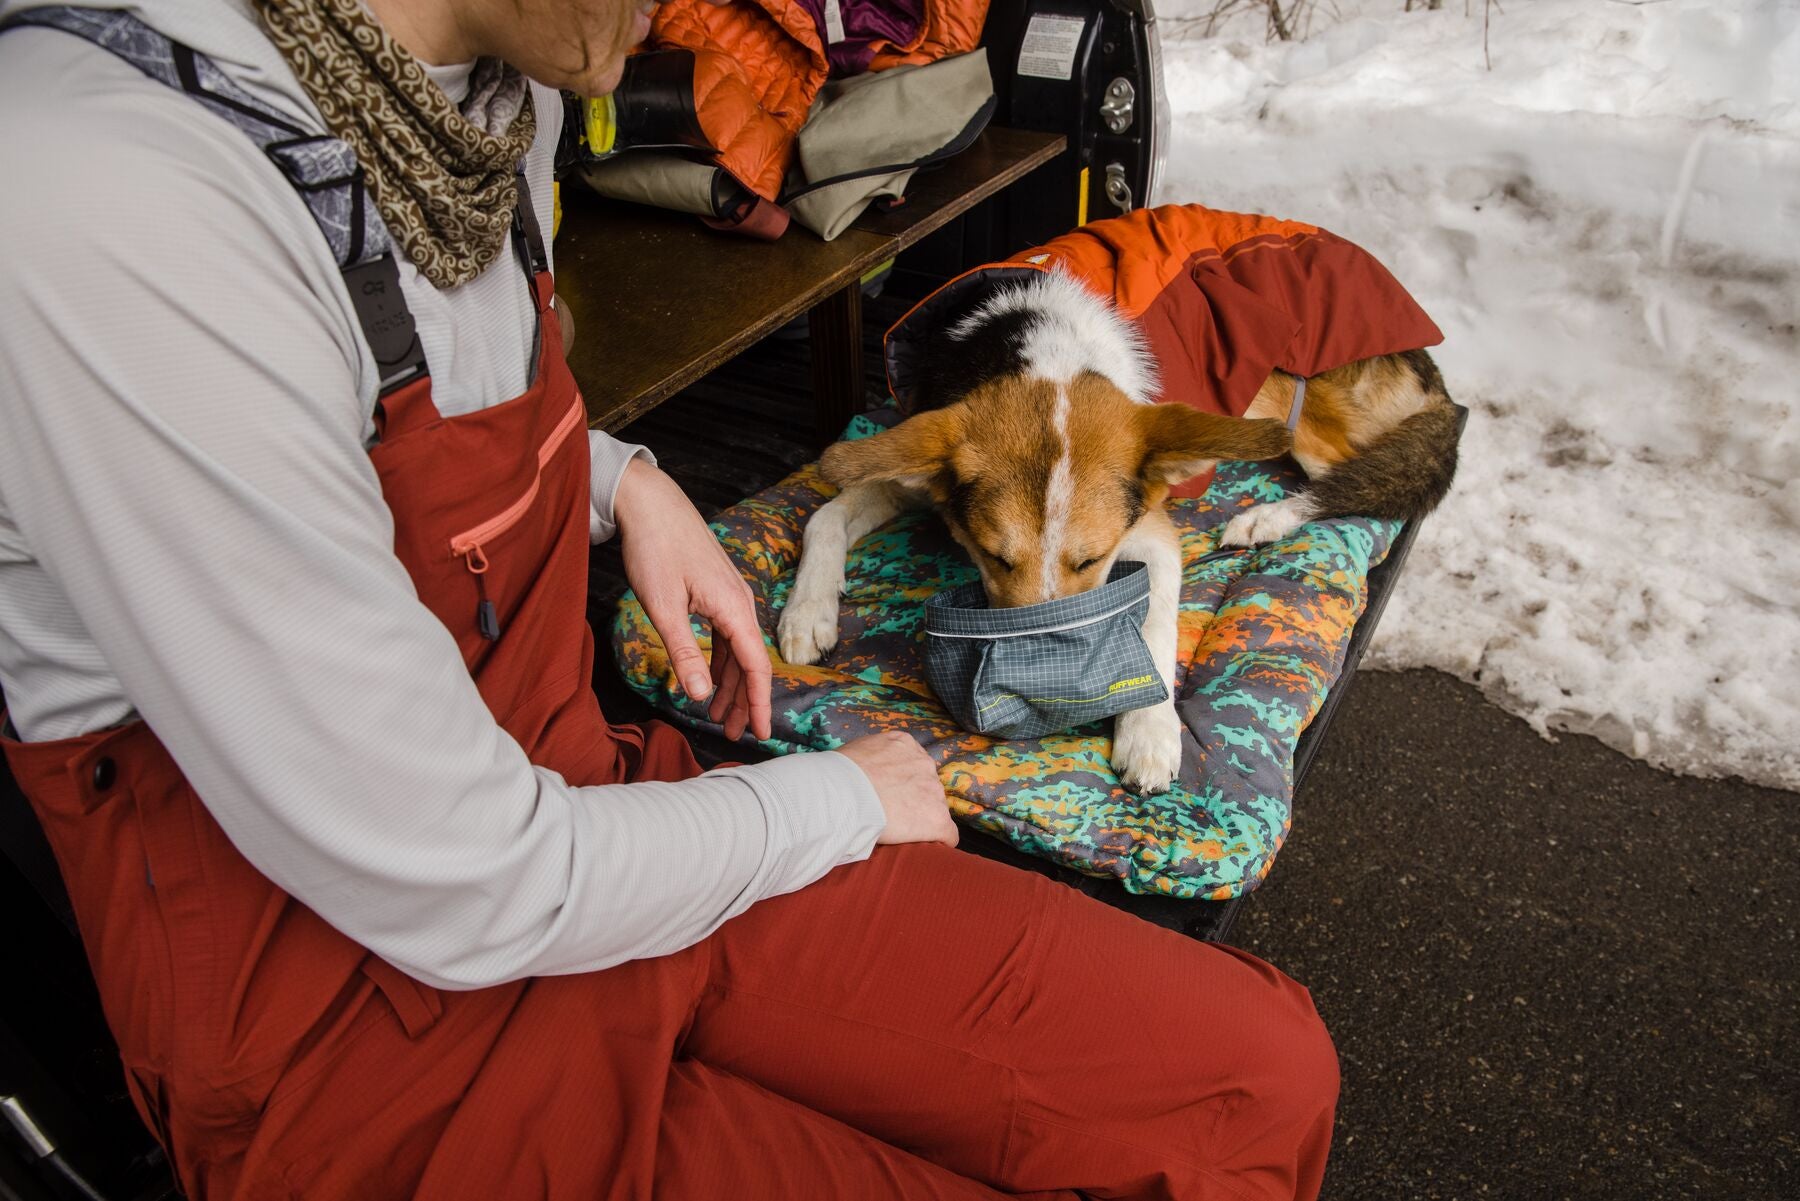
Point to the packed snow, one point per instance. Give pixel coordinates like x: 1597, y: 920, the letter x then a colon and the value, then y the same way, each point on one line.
x: 1605, y: 223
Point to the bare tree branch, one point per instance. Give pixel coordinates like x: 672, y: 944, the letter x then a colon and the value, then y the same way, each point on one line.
x: 1277, y: 22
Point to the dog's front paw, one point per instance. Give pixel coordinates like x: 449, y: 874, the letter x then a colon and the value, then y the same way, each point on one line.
x: 1146, y: 754
x: 808, y: 628
x: 1267, y: 523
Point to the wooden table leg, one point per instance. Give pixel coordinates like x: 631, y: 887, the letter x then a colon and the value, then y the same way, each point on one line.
x: 835, y: 325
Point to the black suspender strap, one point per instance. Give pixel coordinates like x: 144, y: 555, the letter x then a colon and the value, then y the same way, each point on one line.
x: 528, y: 245
x: 525, y: 219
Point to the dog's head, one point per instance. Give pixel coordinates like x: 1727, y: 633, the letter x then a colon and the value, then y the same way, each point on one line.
x: 1040, y: 481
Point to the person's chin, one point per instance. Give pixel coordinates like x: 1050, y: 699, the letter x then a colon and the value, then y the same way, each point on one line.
x: 606, y: 81
x: 606, y: 78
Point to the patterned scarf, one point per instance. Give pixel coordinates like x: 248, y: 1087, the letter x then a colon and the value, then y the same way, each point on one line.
x: 442, y: 178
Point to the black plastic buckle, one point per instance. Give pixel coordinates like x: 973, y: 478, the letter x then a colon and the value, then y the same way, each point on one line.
x: 386, y: 321
x: 525, y: 223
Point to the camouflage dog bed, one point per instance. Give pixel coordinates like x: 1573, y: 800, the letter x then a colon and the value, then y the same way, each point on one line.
x: 1262, y: 638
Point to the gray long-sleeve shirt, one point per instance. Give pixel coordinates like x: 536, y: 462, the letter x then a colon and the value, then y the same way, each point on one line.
x: 191, y: 532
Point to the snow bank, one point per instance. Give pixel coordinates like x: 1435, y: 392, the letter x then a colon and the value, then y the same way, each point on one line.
x: 1606, y: 225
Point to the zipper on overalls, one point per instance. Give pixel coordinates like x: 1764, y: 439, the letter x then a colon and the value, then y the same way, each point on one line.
x: 467, y: 545
x: 487, y: 619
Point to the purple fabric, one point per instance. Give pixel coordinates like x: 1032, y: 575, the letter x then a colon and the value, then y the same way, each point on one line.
x: 865, y: 23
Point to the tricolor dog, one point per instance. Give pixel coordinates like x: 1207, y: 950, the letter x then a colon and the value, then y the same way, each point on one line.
x: 1034, y: 427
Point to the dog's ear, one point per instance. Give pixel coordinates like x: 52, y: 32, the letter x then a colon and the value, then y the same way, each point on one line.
x: 914, y: 453
x: 1180, y: 441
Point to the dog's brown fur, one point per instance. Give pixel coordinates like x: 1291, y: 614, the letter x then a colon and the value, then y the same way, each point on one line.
x: 1377, y: 437
x: 988, y: 462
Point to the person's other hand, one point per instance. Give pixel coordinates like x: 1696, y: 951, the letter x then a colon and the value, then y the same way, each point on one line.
x: 906, y: 780
x: 678, y: 569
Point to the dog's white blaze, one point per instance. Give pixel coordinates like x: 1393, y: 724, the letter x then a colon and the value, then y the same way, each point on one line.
x: 1058, y: 496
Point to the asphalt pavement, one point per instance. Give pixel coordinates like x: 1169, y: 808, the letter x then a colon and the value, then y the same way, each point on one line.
x: 1551, y: 971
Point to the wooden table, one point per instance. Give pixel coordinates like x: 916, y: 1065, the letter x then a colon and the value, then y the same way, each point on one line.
x: 659, y: 300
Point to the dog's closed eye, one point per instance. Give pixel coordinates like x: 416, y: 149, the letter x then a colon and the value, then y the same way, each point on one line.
x: 1086, y: 563
x: 1002, y: 564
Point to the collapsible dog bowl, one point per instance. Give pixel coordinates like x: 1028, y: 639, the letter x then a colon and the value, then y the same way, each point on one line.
x: 1022, y: 673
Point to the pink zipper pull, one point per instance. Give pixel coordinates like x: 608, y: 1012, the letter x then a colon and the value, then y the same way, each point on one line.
x: 487, y: 618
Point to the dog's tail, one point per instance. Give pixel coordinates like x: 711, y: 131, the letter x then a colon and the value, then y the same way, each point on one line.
x: 1403, y: 473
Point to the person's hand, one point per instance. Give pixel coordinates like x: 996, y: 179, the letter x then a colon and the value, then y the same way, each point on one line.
x: 906, y: 780
x: 678, y: 569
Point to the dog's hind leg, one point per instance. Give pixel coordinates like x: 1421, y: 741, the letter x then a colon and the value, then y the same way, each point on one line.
x: 809, y: 622
x: 1269, y: 523
x: 1146, y: 754
x: 1402, y: 474
x: 1404, y: 429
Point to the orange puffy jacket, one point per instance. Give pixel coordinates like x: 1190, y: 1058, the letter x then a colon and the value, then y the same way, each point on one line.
x: 758, y: 64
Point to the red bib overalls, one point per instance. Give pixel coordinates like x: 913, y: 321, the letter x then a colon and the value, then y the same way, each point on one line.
x: 925, y: 1024
x: 225, y: 992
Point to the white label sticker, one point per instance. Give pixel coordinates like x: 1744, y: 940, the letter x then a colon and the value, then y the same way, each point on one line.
x: 1048, y: 51
x: 834, y: 23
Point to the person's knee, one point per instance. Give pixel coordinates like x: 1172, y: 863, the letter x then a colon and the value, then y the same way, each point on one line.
x: 1265, y: 1121
x: 1315, y: 1059
x: 1282, y: 1119
x: 1288, y: 1063
x: 1302, y: 1056
x: 1299, y: 1076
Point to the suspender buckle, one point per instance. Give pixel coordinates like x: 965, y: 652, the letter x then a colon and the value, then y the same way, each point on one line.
x: 525, y: 223
x: 386, y: 321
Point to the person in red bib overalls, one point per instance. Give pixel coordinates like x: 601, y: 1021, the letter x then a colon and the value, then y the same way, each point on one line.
x: 296, y: 497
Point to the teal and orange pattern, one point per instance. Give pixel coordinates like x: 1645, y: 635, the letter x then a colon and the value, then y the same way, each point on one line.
x: 1262, y: 638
